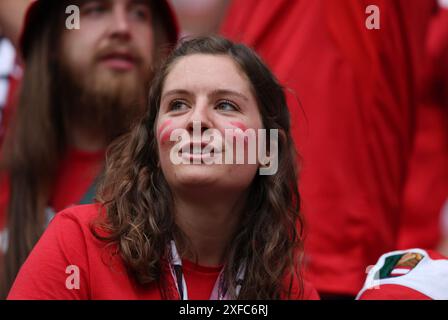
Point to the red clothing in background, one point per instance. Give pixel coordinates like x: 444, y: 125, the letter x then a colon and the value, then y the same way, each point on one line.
x: 355, y: 122
x: 427, y: 185
x: 77, y: 172
x: 68, y: 241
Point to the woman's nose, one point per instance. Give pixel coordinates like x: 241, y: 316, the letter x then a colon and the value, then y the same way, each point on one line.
x: 200, y: 118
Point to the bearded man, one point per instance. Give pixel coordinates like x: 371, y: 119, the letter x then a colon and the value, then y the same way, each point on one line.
x: 81, y: 88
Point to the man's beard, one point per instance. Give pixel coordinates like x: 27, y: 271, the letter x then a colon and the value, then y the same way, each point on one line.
x: 100, y: 101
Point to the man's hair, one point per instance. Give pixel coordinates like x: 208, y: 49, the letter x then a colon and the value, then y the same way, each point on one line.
x: 138, y: 202
x: 37, y: 138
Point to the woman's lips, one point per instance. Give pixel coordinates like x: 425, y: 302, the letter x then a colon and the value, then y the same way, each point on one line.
x: 199, y: 158
x: 199, y: 151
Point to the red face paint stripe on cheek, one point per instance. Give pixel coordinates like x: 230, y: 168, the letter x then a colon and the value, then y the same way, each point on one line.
x: 166, y: 135
x: 239, y: 125
x: 164, y: 132
x: 164, y: 125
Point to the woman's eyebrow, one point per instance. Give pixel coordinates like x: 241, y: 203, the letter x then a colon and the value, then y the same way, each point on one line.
x: 176, y: 92
x: 227, y: 92
x: 214, y: 93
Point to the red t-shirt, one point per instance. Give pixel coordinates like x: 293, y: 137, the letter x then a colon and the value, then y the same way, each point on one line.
x: 354, y: 125
x: 68, y: 241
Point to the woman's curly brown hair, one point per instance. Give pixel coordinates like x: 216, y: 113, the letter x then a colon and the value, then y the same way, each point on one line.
x: 138, y: 201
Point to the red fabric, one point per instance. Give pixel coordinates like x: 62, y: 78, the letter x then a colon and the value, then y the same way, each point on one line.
x: 77, y: 171
x: 354, y: 128
x: 437, y: 54
x: 435, y: 255
x: 69, y: 241
x: 427, y: 185
x: 200, y: 280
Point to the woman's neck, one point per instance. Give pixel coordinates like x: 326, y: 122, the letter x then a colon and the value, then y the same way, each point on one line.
x: 209, y: 226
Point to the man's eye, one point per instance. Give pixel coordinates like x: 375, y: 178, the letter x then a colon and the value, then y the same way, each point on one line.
x: 140, y: 12
x: 93, y: 8
x: 226, y: 105
x: 178, y: 105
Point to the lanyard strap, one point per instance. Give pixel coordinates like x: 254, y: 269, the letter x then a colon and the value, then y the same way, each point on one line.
x: 219, y: 291
x: 90, y: 194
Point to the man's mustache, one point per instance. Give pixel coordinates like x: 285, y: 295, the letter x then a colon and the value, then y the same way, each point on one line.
x: 119, y: 51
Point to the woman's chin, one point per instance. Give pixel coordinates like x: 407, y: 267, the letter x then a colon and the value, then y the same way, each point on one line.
x: 196, y: 177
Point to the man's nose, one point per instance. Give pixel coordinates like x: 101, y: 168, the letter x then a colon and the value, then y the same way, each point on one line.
x: 120, y: 25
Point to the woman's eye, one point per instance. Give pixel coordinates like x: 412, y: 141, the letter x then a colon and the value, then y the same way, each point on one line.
x: 226, y: 105
x: 178, y: 105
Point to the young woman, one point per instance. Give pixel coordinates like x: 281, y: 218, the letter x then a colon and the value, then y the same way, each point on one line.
x: 189, y: 230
